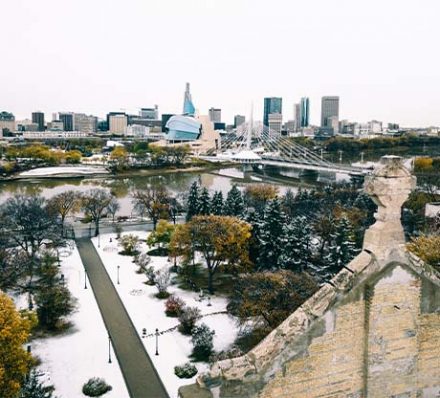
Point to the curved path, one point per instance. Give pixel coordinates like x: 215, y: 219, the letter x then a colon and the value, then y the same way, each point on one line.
x: 139, y: 373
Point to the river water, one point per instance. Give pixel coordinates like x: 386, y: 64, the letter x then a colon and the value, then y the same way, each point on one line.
x: 178, y: 183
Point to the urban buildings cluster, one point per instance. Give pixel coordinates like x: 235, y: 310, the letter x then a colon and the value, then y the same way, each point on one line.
x: 149, y: 123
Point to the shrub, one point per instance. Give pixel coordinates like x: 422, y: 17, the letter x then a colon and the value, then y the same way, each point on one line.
x: 186, y: 371
x: 96, y: 387
x: 188, y: 319
x: 142, y: 261
x: 202, y: 339
x: 174, y: 306
x: 130, y: 244
x: 151, y: 276
x: 162, y: 280
x: 118, y: 231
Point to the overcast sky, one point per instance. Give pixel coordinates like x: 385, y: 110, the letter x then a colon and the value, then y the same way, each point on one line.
x: 380, y: 56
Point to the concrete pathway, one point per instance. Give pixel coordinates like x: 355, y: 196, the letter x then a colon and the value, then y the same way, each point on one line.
x: 139, y: 373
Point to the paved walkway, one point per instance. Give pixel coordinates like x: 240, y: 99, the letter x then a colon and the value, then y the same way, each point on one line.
x: 139, y: 373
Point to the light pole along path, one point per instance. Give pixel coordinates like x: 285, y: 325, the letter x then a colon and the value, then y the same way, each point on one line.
x: 139, y: 373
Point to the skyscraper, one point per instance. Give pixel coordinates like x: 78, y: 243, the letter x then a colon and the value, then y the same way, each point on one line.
x: 304, y: 112
x: 297, y: 111
x: 329, y: 109
x: 84, y: 123
x: 67, y: 119
x: 215, y: 115
x: 188, y: 106
x: 38, y: 118
x: 272, y: 105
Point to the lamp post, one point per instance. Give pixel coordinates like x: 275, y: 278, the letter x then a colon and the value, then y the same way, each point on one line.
x: 157, y: 341
x: 209, y: 301
x: 109, y: 349
x: 118, y: 274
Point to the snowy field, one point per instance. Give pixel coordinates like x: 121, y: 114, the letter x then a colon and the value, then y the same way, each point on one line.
x: 69, y: 360
x: 147, y: 311
x: 63, y: 171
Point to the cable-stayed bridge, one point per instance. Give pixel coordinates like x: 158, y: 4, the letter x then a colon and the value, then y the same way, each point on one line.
x: 257, y: 144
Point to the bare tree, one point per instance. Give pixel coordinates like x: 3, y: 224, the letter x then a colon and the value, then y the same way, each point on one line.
x: 94, y: 203
x: 154, y: 201
x: 63, y: 204
x: 113, y: 207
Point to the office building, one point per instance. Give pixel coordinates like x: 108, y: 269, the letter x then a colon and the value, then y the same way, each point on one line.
x: 67, y: 119
x: 333, y: 124
x: 38, y: 117
x: 329, y: 109
x: 304, y: 112
x: 188, y: 106
x: 150, y: 113
x: 275, y: 122
x: 297, y: 112
x: 239, y: 120
x: 272, y: 105
x: 219, y: 126
x: 215, y: 115
x: 82, y: 122
x: 117, y: 122
x: 55, y: 125
x: 7, y: 122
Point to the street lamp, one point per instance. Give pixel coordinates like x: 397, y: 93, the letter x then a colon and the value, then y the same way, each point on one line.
x: 109, y: 349
x: 209, y: 301
x: 157, y: 341
x: 118, y: 274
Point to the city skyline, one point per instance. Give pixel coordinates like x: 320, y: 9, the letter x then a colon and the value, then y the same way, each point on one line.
x: 371, y: 55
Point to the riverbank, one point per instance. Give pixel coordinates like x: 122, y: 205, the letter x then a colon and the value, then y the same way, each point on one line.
x: 63, y: 172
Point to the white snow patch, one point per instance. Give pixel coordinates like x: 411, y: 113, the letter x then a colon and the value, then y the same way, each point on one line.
x: 69, y: 360
x: 63, y: 170
x: 146, y: 311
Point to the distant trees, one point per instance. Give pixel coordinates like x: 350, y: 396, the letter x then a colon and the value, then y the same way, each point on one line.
x: 15, y: 361
x: 95, y: 203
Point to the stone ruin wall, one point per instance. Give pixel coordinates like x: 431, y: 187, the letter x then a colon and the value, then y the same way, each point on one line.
x: 383, y: 343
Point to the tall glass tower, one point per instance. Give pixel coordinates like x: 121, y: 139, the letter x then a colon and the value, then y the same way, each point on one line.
x: 188, y: 106
x: 272, y: 105
x: 304, y: 112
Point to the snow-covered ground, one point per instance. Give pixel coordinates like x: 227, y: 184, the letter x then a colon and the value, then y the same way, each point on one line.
x: 69, y: 360
x: 147, y: 311
x: 63, y: 171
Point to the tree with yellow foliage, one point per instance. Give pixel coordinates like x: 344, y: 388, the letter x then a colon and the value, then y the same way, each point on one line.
x: 15, y: 362
x: 427, y: 247
x: 223, y: 242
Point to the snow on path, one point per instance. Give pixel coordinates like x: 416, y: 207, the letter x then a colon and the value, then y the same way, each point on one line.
x: 63, y: 170
x: 146, y: 311
x: 71, y: 359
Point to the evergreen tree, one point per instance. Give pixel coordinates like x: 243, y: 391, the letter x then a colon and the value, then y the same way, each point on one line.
x: 296, y: 249
x: 193, y: 201
x: 342, y: 247
x: 204, y: 203
x: 271, y: 236
x: 234, y: 205
x: 217, y: 203
x: 33, y: 388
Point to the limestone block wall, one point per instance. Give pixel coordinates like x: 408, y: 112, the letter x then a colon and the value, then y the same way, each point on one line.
x: 383, y: 343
